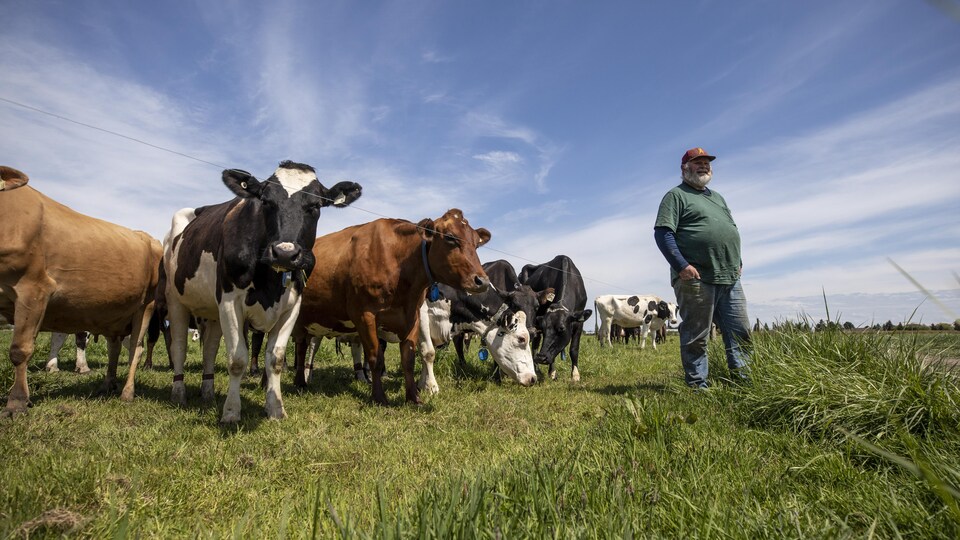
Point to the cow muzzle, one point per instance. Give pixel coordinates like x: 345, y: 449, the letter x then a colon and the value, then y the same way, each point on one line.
x: 285, y: 255
x: 480, y: 285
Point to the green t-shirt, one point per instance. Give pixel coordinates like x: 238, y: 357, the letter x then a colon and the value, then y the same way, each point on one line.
x: 705, y: 232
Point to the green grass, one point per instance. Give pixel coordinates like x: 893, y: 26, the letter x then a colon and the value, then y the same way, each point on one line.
x: 841, y: 435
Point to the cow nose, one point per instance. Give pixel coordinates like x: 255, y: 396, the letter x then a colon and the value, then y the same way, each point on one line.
x: 522, y: 341
x: 482, y: 283
x: 286, y: 252
x: 528, y: 379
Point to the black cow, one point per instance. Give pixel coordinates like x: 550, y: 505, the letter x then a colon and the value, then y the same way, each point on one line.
x: 561, y: 322
x: 243, y: 262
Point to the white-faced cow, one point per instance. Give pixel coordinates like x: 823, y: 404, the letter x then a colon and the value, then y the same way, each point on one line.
x: 559, y: 323
x: 497, y: 317
x: 241, y: 262
x: 504, y: 278
x: 649, y: 313
x: 374, y: 279
x: 49, y: 282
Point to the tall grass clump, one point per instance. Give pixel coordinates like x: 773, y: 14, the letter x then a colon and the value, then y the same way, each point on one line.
x: 875, y: 386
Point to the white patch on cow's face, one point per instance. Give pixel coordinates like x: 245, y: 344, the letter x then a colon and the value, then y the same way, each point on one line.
x: 294, y: 180
x: 511, y: 349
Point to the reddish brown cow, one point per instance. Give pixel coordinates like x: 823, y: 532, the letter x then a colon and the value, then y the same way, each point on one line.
x: 373, y: 277
x: 48, y: 281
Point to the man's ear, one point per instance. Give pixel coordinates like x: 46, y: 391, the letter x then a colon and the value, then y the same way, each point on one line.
x: 427, y: 229
x: 242, y: 183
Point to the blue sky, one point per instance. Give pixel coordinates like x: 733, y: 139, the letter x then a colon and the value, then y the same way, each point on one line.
x: 556, y: 125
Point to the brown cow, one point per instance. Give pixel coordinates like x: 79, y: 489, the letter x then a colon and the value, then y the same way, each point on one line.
x: 373, y: 277
x: 48, y: 281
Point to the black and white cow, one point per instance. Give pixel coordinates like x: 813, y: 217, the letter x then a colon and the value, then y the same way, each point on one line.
x: 561, y: 322
x: 497, y: 317
x: 504, y: 278
x: 241, y: 262
x: 649, y: 313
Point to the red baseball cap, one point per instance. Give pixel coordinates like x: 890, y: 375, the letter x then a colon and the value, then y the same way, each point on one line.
x: 695, y: 153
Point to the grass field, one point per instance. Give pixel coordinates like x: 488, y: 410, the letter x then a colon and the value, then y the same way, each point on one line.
x: 840, y: 435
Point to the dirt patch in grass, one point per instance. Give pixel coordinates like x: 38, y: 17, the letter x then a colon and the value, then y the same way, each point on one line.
x: 58, y: 519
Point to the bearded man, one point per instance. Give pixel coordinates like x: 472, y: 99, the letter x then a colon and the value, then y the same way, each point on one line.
x: 696, y: 233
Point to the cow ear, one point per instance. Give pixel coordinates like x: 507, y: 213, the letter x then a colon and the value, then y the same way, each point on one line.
x: 581, y: 316
x: 427, y: 229
x: 11, y: 178
x: 546, y: 296
x: 663, y: 305
x: 342, y: 194
x: 242, y: 183
x: 484, y: 236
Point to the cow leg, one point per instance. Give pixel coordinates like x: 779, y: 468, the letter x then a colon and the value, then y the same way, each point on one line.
x: 408, y: 357
x: 428, y: 383
x: 179, y: 318
x: 644, y: 330
x: 231, y: 322
x: 211, y: 345
x: 313, y: 347
x: 458, y: 344
x: 360, y: 369
x: 300, y: 353
x: 30, y: 306
x: 114, y: 345
x: 367, y: 332
x: 577, y: 330
x: 57, y: 339
x: 256, y: 345
x: 81, y: 365
x: 604, y: 333
x: 273, y: 357
x: 138, y: 330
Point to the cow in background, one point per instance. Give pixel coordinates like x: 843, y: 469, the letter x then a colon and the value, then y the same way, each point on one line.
x: 57, y: 341
x: 644, y: 312
x: 374, y: 279
x: 559, y: 323
x: 245, y: 261
x: 48, y: 282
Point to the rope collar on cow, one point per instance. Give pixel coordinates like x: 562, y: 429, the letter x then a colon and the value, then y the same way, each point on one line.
x: 433, y: 293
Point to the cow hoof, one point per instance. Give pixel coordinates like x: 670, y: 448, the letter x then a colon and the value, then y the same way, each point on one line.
x: 230, y: 417
x: 82, y: 371
x: 52, y: 369
x: 431, y: 389
x: 178, y: 396
x: 576, y: 375
x: 13, y: 410
x: 127, y: 395
x: 207, y: 394
x: 107, y: 388
x: 277, y: 414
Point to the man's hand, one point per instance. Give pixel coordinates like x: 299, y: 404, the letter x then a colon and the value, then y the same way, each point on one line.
x: 689, y: 273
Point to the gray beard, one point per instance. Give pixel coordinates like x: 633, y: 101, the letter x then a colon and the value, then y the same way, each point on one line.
x: 697, y: 181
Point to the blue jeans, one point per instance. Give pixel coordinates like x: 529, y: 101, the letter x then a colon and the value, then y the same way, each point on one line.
x: 699, y: 305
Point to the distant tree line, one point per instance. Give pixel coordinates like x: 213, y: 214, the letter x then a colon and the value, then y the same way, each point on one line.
x: 821, y: 325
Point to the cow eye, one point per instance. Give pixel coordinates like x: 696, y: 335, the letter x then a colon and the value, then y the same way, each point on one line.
x: 452, y: 240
